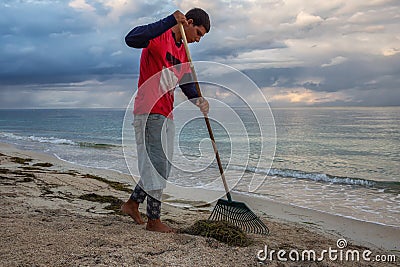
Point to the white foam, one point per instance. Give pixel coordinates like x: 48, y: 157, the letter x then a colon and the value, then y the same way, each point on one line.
x: 51, y: 140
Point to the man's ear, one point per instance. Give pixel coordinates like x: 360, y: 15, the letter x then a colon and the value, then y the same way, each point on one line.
x: 190, y: 21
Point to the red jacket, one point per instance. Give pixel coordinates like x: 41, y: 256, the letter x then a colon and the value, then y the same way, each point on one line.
x: 161, y: 67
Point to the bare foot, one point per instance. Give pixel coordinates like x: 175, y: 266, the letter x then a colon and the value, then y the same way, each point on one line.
x: 158, y: 226
x: 131, y: 208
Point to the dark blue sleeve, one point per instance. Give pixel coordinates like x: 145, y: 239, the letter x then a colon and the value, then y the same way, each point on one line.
x: 189, y: 89
x: 188, y: 86
x: 140, y: 36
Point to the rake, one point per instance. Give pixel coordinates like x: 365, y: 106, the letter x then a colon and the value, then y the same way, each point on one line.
x: 228, y: 210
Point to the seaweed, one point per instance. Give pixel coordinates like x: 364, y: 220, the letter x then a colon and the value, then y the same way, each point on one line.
x: 222, y: 231
x: 16, y: 177
x: 26, y: 180
x: 4, y: 171
x: 43, y: 164
x: 30, y: 168
x: 115, y: 203
x: 17, y: 172
x: 20, y: 160
x: 69, y: 172
x: 116, y: 185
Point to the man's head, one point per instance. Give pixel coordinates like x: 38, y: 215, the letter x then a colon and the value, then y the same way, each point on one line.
x: 199, y: 24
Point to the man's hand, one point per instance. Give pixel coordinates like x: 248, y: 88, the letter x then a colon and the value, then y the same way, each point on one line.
x: 202, y: 103
x: 180, y: 18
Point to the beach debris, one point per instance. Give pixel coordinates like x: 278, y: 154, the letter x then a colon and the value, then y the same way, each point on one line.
x: 43, y: 164
x: 20, y: 160
x: 222, y: 231
x: 115, y: 203
x: 116, y: 185
x: 15, y: 176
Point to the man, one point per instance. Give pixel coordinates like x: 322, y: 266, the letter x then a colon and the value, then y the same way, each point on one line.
x: 161, y: 69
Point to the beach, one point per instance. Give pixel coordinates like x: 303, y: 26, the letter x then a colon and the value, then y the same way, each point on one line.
x: 287, y: 124
x: 49, y: 219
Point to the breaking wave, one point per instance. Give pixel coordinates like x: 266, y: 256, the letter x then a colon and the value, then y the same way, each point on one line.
x: 54, y: 140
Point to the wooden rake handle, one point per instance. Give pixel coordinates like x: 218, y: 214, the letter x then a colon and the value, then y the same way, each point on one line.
x: 210, y: 132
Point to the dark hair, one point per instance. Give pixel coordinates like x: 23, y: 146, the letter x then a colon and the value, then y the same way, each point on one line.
x: 199, y: 17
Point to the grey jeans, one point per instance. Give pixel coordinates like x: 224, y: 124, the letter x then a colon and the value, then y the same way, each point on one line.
x: 154, y: 135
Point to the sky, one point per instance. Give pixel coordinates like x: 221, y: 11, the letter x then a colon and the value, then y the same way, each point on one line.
x: 67, y: 54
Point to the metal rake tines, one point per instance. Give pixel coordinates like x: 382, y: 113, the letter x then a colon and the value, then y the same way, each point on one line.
x: 240, y: 215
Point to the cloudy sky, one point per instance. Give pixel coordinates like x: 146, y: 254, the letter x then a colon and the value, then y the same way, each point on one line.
x: 71, y: 53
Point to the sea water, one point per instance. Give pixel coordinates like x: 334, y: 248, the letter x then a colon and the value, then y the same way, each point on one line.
x: 342, y: 161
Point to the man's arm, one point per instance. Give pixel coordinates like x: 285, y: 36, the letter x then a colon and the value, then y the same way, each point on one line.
x: 188, y: 86
x: 189, y: 89
x: 140, y: 36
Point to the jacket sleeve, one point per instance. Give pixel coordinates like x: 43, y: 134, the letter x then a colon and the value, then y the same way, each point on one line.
x: 188, y: 86
x: 140, y: 36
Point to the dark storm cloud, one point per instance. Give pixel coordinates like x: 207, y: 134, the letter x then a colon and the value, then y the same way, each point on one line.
x: 53, y: 43
x: 77, y: 46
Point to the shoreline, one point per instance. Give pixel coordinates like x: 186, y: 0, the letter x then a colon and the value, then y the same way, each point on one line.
x: 128, y: 178
x: 296, y: 226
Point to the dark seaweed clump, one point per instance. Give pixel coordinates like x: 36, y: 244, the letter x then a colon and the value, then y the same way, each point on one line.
x: 222, y: 231
x: 115, y: 203
x: 20, y: 160
x: 43, y: 164
x: 115, y: 185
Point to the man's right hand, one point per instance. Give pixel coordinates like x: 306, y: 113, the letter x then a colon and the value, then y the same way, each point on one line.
x: 180, y: 18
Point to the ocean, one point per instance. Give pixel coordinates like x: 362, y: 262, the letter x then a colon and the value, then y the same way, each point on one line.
x: 342, y: 161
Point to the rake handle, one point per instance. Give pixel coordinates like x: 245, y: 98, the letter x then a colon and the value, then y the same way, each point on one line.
x: 210, y: 132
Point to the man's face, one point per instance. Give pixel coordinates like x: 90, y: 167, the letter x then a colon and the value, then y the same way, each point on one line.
x: 194, y: 33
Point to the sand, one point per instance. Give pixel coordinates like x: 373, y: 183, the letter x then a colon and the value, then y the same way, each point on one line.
x: 47, y: 221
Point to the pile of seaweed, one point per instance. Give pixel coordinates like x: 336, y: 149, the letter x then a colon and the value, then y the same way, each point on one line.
x: 115, y: 203
x: 222, y: 231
